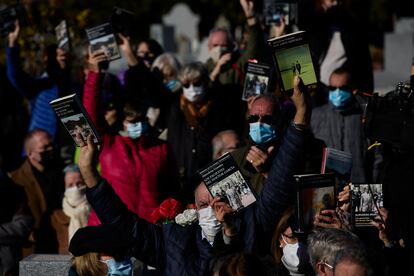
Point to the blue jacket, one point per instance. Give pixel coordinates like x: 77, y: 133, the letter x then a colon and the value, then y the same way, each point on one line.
x: 178, y: 250
x: 39, y: 91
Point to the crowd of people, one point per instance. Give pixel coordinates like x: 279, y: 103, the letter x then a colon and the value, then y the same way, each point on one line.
x: 161, y: 121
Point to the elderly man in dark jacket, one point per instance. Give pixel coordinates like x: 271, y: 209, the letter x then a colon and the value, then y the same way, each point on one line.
x: 178, y: 250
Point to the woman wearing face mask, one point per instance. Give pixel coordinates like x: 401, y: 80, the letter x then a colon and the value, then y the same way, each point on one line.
x: 139, y: 165
x: 288, y: 250
x: 193, y: 119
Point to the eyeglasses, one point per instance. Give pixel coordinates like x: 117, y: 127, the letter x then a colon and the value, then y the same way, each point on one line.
x: 343, y: 87
x: 196, y: 83
x: 267, y: 119
x: 327, y: 265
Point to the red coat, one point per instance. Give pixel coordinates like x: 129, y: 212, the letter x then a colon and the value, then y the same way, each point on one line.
x: 141, y: 171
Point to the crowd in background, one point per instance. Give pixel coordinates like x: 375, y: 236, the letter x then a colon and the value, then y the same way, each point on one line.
x: 161, y: 121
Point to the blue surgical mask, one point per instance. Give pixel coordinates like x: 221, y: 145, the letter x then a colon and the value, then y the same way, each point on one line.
x: 122, y: 268
x: 135, y: 130
x: 339, y: 98
x: 172, y: 85
x: 262, y: 133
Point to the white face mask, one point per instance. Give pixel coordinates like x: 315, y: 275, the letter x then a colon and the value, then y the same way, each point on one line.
x: 294, y: 255
x: 208, y: 223
x: 75, y: 195
x: 194, y: 93
x: 216, y: 52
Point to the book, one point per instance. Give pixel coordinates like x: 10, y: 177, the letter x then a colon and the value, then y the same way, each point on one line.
x: 292, y: 57
x: 62, y: 36
x: 8, y: 17
x: 338, y: 162
x: 314, y: 193
x: 275, y: 10
x: 75, y: 118
x: 122, y: 20
x: 224, y: 179
x: 257, y: 79
x: 366, y: 199
x: 103, y: 38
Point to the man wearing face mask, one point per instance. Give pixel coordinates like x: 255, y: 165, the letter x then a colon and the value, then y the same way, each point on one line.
x: 255, y: 158
x: 186, y: 250
x: 339, y: 123
x: 139, y: 166
x: 225, y: 65
x: 40, y: 176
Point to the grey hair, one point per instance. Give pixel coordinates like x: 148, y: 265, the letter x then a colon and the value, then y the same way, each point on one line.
x: 335, y: 245
x: 229, y: 36
x: 167, y: 59
x: 71, y: 168
x: 193, y: 71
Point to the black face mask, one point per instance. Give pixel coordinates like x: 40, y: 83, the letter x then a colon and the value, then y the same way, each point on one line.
x: 48, y: 158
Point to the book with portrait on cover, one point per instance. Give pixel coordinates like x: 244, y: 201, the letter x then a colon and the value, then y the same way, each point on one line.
x: 75, y: 118
x: 292, y: 57
x: 314, y: 193
x: 224, y: 179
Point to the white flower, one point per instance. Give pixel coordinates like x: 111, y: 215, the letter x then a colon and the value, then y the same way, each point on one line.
x: 187, y: 217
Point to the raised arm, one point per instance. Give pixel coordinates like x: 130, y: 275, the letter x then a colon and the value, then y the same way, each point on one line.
x: 24, y: 84
x: 91, y: 95
x: 279, y: 186
x: 146, y: 239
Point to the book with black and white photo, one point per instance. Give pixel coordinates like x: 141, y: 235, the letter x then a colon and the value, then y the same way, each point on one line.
x: 224, y: 179
x: 62, y: 36
x: 292, y: 57
x: 9, y: 15
x: 366, y: 200
x: 314, y: 193
x: 102, y: 38
x: 338, y: 162
x: 75, y: 118
x: 257, y: 79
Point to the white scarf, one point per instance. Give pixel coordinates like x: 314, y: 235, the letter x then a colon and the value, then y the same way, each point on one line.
x: 77, y: 208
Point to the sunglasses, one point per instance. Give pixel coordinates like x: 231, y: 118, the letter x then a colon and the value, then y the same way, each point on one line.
x: 196, y: 83
x: 344, y: 88
x: 267, y: 119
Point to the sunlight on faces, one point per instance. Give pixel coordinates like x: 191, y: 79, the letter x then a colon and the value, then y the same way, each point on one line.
x: 262, y: 107
x: 39, y: 143
x: 339, y: 80
x: 218, y: 38
x: 288, y: 237
x: 202, y: 196
x: 73, y: 179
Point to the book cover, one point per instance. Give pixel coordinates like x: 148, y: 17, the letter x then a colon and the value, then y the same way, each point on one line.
x: 366, y: 199
x: 62, y: 36
x: 103, y: 38
x: 224, y: 179
x: 257, y: 79
x: 337, y: 162
x: 74, y: 117
x: 292, y: 56
x: 314, y: 193
x: 9, y: 15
